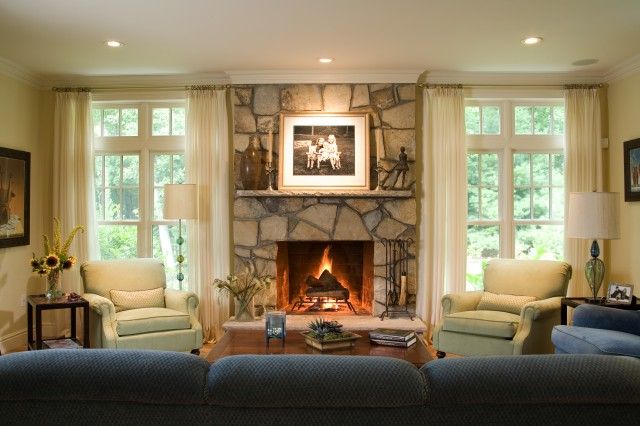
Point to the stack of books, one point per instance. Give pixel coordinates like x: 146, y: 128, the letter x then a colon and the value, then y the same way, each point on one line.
x: 392, y: 337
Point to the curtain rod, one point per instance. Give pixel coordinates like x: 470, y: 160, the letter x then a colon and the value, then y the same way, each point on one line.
x: 556, y: 86
x: 142, y: 88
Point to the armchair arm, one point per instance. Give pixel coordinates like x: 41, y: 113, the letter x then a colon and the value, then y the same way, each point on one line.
x: 540, y: 309
x: 101, y: 306
x: 593, y: 316
x: 459, y: 302
x: 183, y: 301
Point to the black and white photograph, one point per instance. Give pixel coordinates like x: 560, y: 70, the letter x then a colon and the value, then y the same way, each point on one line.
x: 324, y: 151
x: 620, y: 293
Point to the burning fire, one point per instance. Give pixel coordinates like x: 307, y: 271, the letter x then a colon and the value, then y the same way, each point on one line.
x: 326, y: 262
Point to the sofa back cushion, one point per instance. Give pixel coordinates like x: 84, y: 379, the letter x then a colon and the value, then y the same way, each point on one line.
x: 503, y: 302
x: 102, y: 276
x: 125, y: 299
x: 541, y: 279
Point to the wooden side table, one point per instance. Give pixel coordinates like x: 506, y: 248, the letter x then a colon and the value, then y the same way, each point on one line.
x: 40, y: 303
x: 574, y: 302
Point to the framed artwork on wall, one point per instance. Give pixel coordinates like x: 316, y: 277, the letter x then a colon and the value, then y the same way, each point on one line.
x: 632, y: 170
x: 324, y: 151
x: 15, y: 170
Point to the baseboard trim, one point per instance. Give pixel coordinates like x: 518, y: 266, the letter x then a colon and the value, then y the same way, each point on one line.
x: 17, y: 341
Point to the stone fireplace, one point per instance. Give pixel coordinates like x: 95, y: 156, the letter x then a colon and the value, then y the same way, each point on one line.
x: 325, y: 277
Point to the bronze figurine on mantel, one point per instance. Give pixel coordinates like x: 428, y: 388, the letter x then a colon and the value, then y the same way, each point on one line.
x: 398, y: 171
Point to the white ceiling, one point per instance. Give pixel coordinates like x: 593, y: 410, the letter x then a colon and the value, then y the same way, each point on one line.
x: 65, y: 37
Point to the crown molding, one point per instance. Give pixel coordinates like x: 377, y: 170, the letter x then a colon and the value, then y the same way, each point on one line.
x: 20, y: 73
x: 137, y: 81
x: 337, y: 76
x: 513, y: 78
x: 624, y: 69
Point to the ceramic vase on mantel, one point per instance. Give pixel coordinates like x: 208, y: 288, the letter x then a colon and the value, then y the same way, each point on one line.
x: 53, y: 285
x: 244, y: 311
x: 251, y: 164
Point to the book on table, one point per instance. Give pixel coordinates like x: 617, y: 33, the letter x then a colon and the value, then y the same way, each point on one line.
x: 392, y: 334
x: 397, y: 343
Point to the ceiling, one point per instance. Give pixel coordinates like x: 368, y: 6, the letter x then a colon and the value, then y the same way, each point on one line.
x: 66, y: 37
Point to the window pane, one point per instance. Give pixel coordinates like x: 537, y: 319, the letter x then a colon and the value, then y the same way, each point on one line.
x: 118, y: 241
x: 523, y: 120
x: 99, y: 204
x: 473, y: 171
x: 557, y: 176
x: 160, y: 122
x: 112, y: 169
x: 540, y: 169
x: 178, y: 168
x: 96, y: 116
x: 491, y: 120
x: 97, y: 171
x: 521, y: 169
x: 542, y: 118
x: 558, y: 120
x: 472, y: 119
x: 130, y: 203
x: 177, y: 121
x: 557, y: 203
x: 490, y: 202
x: 129, y: 122
x: 110, y: 117
x: 473, y: 205
x: 490, y: 171
x: 162, y: 169
x: 113, y: 204
x: 158, y: 203
x: 165, y: 248
x: 483, y: 243
x: 130, y: 170
x: 521, y: 203
x: 540, y: 242
x: 541, y: 203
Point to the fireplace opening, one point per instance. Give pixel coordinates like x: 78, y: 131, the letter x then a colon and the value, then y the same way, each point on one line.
x: 325, y: 277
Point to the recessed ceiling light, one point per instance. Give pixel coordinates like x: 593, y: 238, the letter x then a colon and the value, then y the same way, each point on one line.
x: 325, y: 60
x: 113, y: 43
x: 529, y: 41
x: 585, y: 62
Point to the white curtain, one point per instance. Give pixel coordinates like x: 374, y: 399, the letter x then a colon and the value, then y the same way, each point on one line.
x: 207, y: 162
x: 73, y: 176
x: 443, y: 229
x: 584, y: 169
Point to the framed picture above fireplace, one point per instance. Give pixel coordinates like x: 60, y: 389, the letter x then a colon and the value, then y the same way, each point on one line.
x: 324, y: 151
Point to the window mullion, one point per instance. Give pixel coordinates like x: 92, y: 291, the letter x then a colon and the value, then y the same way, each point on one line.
x: 506, y: 192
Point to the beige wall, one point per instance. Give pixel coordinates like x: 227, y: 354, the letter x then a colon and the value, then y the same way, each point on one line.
x: 624, y: 124
x: 25, y: 124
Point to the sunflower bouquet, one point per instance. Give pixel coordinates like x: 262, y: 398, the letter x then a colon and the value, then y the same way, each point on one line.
x: 56, y: 257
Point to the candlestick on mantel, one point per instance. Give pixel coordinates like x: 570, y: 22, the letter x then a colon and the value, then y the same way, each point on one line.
x: 270, y: 147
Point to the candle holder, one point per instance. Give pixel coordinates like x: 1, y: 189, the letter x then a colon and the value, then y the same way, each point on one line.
x: 379, y: 169
x: 269, y: 170
x: 276, y: 326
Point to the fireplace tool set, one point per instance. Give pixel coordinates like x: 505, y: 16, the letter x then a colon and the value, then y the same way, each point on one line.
x: 397, y: 265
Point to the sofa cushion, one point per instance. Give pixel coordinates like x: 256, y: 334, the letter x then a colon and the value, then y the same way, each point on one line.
x: 503, y: 302
x: 149, y: 320
x: 125, y: 299
x: 483, y: 323
x: 583, y: 340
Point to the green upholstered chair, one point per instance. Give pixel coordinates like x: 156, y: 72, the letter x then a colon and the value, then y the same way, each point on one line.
x: 146, y: 314
x: 514, y: 314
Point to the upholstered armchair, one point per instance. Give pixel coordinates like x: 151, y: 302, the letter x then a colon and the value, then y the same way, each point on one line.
x: 514, y: 314
x: 131, y: 308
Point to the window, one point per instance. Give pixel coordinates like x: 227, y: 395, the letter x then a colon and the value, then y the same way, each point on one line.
x: 138, y: 149
x: 515, y: 182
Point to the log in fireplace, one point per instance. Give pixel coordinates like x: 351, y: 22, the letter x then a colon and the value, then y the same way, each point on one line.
x: 325, y: 277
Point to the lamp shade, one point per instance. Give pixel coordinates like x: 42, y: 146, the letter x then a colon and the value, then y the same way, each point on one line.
x: 180, y: 201
x: 594, y: 215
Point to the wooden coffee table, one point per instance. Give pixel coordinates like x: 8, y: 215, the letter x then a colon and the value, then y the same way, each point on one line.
x: 252, y: 342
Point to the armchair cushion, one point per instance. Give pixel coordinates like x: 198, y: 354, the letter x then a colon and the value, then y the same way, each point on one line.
x: 583, y: 340
x: 483, y: 323
x: 149, y: 320
x: 503, y: 302
x: 125, y: 300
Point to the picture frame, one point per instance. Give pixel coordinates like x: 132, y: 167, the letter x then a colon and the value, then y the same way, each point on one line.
x: 324, y: 152
x: 632, y: 170
x: 619, y: 294
x: 15, y: 173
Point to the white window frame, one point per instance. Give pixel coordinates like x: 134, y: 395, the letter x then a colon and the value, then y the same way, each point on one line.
x: 506, y: 144
x: 145, y: 146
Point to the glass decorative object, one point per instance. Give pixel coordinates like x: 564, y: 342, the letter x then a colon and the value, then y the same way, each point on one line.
x: 251, y: 164
x: 276, y: 324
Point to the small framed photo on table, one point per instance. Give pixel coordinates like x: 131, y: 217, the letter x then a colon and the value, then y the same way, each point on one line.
x: 620, y: 294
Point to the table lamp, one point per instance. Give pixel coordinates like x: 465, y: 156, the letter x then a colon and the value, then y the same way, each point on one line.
x: 180, y: 202
x: 594, y: 216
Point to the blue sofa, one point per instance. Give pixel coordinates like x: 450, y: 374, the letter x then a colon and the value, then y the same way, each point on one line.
x: 112, y: 387
x: 599, y: 330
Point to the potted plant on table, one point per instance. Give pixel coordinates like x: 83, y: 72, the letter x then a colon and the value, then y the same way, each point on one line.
x: 326, y: 335
x: 244, y: 287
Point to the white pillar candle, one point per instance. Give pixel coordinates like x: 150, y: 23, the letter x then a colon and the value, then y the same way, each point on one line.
x: 270, y: 146
x: 378, y: 134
